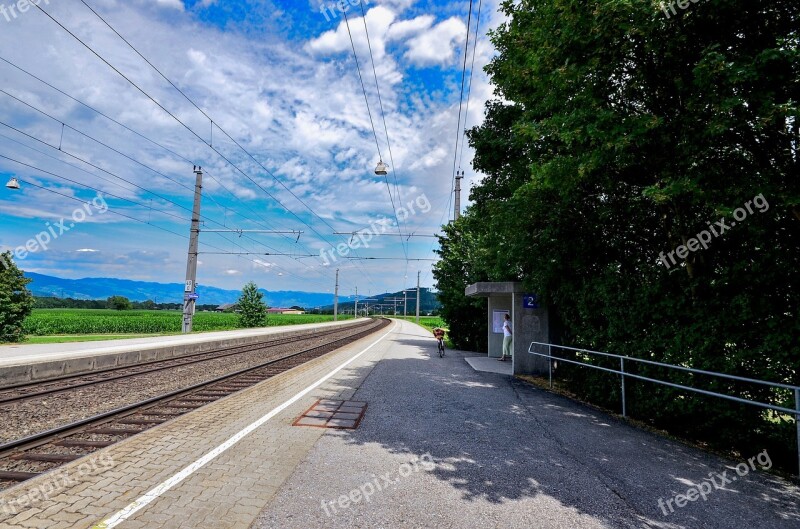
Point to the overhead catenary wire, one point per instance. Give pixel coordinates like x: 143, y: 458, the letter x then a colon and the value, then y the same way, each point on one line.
x: 115, y: 212
x: 460, y: 106
x: 383, y: 117
x: 40, y: 170
x: 222, y: 156
x: 99, y: 168
x: 372, y: 124
x: 105, y: 192
x: 211, y: 120
x: 466, y: 113
x: 209, y: 144
x: 173, y: 116
x: 61, y: 150
x: 261, y: 220
x: 471, y: 72
x: 100, y: 142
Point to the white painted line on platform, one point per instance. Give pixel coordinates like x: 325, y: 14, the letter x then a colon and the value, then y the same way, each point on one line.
x: 166, y: 485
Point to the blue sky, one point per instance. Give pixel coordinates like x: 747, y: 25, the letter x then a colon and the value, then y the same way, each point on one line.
x: 279, y: 78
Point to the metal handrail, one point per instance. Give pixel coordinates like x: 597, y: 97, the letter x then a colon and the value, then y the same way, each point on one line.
x: 671, y: 366
x: 622, y: 359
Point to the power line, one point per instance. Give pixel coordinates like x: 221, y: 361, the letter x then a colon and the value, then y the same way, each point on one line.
x: 39, y: 169
x: 113, y: 211
x: 211, y: 120
x: 471, y: 72
x: 115, y: 69
x: 383, y: 117
x: 9, y: 138
x: 209, y: 144
x: 372, y: 124
x: 150, y: 208
x: 460, y: 103
x: 61, y: 149
x: 148, y: 139
x: 28, y: 183
x: 92, y: 165
x: 197, y: 135
x: 363, y: 88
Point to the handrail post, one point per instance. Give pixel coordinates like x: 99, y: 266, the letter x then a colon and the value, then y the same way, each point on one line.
x: 550, y: 362
x: 622, y: 375
x: 797, y: 425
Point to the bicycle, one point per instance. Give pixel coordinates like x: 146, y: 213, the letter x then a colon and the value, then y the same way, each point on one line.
x: 440, y: 346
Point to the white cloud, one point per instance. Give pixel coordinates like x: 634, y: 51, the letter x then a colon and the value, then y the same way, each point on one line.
x: 437, y: 46
x: 172, y: 4
x: 407, y: 28
x: 297, y: 107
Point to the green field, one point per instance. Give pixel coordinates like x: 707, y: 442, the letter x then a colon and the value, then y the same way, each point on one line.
x: 51, y: 322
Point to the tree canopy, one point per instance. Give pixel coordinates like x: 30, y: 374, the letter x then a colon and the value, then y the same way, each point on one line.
x: 618, y: 140
x: 252, y: 310
x: 16, y: 302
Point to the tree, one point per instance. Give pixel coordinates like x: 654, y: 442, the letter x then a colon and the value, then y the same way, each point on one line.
x: 118, y: 303
x: 252, y: 310
x: 618, y: 135
x: 16, y: 302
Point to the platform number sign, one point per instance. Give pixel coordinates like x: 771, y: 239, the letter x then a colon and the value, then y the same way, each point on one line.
x: 530, y: 301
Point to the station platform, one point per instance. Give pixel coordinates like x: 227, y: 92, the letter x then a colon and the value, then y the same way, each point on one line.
x: 20, y: 363
x: 439, y: 445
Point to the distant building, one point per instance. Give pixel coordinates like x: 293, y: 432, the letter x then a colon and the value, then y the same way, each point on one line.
x: 278, y: 310
x: 228, y: 307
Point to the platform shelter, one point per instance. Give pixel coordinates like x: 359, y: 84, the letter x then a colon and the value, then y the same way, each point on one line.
x: 530, y: 322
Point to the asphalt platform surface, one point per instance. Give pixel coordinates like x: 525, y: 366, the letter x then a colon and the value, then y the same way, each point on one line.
x: 444, y: 446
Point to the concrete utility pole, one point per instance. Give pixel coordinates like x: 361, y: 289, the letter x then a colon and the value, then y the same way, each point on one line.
x: 190, y: 290
x: 457, y: 212
x: 417, y: 297
x: 336, y: 298
x: 405, y: 303
x: 355, y: 307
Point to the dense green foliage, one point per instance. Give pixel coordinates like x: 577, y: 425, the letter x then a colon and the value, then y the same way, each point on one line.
x: 45, y: 322
x: 16, y: 301
x: 252, y: 309
x: 620, y: 135
x: 118, y: 303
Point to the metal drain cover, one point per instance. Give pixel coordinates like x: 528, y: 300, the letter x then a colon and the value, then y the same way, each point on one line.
x: 327, y: 413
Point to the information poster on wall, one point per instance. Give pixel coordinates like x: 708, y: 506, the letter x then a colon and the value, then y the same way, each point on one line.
x: 498, y: 316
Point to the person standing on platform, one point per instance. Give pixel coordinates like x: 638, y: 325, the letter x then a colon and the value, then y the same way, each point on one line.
x: 507, y: 338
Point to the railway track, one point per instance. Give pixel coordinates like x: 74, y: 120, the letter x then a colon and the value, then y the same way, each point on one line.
x: 32, y: 456
x: 30, y: 390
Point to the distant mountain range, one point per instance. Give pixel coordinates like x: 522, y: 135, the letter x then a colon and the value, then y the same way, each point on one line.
x: 104, y: 287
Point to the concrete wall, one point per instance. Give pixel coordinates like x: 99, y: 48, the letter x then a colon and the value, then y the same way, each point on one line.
x: 530, y: 325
